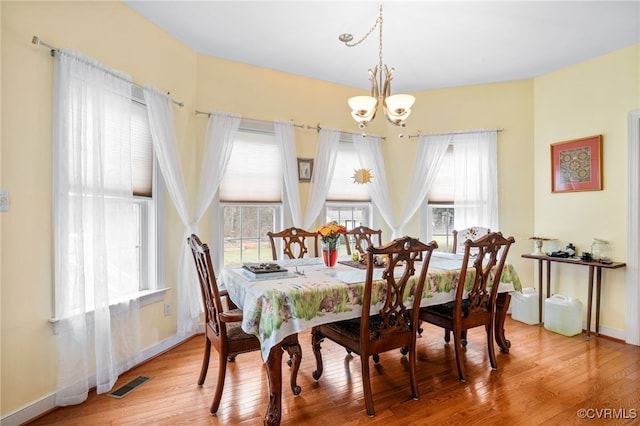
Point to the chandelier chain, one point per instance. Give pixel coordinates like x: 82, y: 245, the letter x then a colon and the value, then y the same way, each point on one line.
x: 378, y: 22
x: 396, y: 107
x: 380, y: 50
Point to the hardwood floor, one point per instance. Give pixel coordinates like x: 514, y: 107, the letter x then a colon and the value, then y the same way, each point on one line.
x: 545, y: 379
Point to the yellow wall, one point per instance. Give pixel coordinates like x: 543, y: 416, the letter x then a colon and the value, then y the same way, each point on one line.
x: 116, y: 36
x: 592, y: 98
x: 507, y: 106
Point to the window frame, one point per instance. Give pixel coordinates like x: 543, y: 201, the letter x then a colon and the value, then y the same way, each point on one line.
x: 427, y: 227
x: 152, y: 284
x: 278, y: 220
x: 260, y: 128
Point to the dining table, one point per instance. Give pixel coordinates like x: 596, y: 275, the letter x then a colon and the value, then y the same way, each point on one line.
x: 304, y: 293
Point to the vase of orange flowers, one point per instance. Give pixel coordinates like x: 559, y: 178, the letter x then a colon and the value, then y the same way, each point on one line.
x: 330, y: 234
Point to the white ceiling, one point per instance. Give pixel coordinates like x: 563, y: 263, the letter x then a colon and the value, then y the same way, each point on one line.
x: 431, y: 44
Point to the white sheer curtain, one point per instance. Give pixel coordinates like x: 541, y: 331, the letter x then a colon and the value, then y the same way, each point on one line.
x: 325, y: 161
x: 286, y: 139
x: 475, y: 157
x: 94, y: 227
x: 165, y: 146
x: 218, y: 144
x: 431, y: 152
x: 370, y: 153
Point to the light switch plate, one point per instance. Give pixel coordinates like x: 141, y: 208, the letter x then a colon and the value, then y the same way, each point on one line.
x: 4, y: 200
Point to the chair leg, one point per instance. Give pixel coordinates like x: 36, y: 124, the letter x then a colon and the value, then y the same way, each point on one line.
x: 295, y: 358
x: 457, y: 341
x: 366, y: 384
x: 447, y: 335
x: 490, y: 347
x: 413, y: 380
x: 463, y: 341
x: 222, y: 371
x: 316, y: 339
x: 205, y: 361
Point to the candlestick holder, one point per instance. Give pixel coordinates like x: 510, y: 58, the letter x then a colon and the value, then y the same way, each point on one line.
x: 539, y: 242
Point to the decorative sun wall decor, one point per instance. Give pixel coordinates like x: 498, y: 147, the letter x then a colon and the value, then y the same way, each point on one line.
x: 362, y: 176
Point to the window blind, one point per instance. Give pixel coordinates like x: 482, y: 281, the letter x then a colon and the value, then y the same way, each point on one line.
x: 254, y: 172
x: 141, y: 151
x: 442, y: 188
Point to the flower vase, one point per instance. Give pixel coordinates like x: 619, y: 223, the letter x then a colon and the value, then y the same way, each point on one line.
x: 329, y: 254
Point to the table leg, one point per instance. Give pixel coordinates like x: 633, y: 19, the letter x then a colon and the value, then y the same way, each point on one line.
x: 274, y: 376
x: 548, y: 279
x: 589, y: 301
x: 598, y: 287
x: 502, y: 305
x: 540, y: 295
x: 291, y: 345
x: 274, y: 379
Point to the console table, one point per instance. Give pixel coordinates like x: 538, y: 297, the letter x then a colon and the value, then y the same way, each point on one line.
x: 593, y: 266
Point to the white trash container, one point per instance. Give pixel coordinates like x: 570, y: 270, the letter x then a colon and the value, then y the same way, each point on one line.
x: 524, y: 306
x: 563, y: 315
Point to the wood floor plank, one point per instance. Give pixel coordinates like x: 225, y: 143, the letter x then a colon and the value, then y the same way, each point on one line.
x: 545, y: 379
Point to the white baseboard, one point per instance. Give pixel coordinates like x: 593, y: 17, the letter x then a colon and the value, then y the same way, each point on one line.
x: 609, y: 332
x: 43, y: 405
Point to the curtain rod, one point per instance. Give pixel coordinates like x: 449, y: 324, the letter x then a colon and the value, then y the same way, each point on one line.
x: 36, y: 40
x: 301, y: 126
x: 317, y: 127
x: 457, y: 132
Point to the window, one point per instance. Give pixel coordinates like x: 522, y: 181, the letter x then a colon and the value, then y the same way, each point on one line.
x: 438, y: 212
x: 139, y: 272
x: 350, y: 215
x: 467, y: 182
x: 148, y: 190
x: 251, y: 196
x: 245, y: 232
x: 439, y: 220
x: 348, y: 203
x: 342, y: 186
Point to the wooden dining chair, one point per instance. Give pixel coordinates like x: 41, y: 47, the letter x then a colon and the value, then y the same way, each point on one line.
x: 363, y: 237
x: 472, y: 233
x: 477, y: 307
x: 393, y: 325
x: 296, y: 243
x: 223, y: 327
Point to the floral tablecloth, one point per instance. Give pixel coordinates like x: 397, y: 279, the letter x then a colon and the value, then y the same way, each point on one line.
x: 310, y: 294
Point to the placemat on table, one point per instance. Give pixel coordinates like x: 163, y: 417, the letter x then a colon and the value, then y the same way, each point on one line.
x: 357, y: 264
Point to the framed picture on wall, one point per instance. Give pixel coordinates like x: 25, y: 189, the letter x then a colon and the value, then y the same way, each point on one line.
x: 305, y: 169
x: 576, y: 165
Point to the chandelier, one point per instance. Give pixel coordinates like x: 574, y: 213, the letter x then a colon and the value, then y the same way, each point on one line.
x: 396, y: 107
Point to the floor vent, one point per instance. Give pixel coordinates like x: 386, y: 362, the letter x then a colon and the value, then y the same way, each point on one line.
x: 125, y: 389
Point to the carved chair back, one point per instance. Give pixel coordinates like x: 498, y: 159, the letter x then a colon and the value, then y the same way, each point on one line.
x: 296, y: 243
x: 476, y: 293
x: 208, y: 284
x: 485, y: 271
x: 363, y: 237
x: 472, y: 233
x: 394, y: 324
